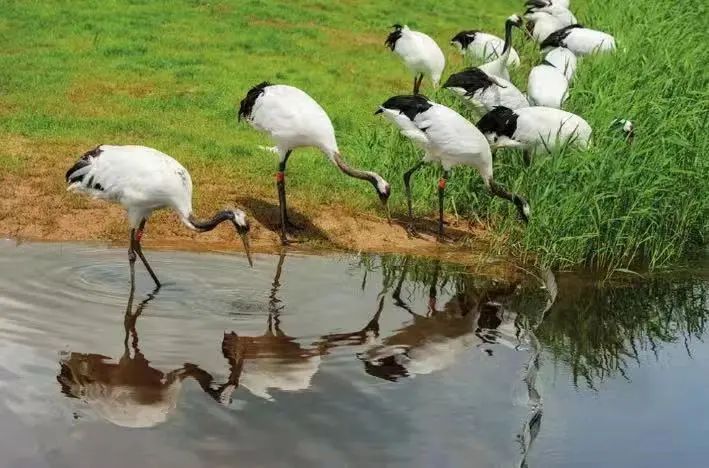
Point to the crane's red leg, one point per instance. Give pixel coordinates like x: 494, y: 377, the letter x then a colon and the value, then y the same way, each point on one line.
x: 139, y: 235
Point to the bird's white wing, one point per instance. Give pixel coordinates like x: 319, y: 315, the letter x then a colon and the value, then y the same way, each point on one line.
x: 408, y: 128
x: 137, y: 176
x: 547, y: 86
x: 453, y: 138
x: 549, y: 127
x: 583, y: 41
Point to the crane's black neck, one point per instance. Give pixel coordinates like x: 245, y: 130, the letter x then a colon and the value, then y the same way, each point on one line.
x: 356, y: 173
x: 508, y: 36
x: 209, y: 224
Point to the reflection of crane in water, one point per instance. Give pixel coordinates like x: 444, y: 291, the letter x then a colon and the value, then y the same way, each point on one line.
x: 128, y: 393
x: 434, y: 341
x: 273, y: 360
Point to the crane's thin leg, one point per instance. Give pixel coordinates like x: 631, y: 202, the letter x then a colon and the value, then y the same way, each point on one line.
x: 138, y: 249
x: 407, y: 186
x: 417, y: 83
x: 281, y: 186
x: 131, y: 261
x: 527, y: 156
x: 441, y: 193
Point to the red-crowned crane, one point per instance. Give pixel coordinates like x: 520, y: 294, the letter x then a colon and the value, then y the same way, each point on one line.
x: 448, y: 139
x: 294, y: 120
x: 144, y: 180
x: 419, y: 52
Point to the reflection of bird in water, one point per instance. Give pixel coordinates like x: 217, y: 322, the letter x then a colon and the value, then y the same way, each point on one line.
x: 128, y: 393
x: 273, y: 360
x: 434, y: 341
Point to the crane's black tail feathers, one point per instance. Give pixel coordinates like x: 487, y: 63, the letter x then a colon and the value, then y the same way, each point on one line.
x: 77, y: 171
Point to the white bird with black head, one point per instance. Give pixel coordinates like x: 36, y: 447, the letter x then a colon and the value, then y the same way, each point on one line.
x: 448, y: 139
x: 560, y: 12
x: 498, y: 67
x: 419, y: 52
x: 483, y: 91
x: 143, y: 180
x: 534, y: 129
x: 483, y: 46
x: 579, y: 40
x: 547, y: 86
x: 294, y: 120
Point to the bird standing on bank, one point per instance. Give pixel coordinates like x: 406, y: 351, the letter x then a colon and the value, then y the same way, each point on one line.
x: 449, y: 139
x: 294, y: 120
x: 498, y: 67
x: 144, y: 180
x: 534, y: 128
x: 420, y: 53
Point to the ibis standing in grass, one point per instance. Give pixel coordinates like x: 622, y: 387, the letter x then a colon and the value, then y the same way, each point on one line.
x: 449, y: 139
x: 294, y: 120
x: 419, y: 52
x: 579, y: 40
x: 144, y: 180
x: 498, y: 67
x: 534, y: 128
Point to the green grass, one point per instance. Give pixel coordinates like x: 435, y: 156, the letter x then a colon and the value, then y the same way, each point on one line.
x: 169, y: 75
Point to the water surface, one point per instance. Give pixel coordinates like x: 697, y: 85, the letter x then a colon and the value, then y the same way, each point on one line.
x: 314, y: 361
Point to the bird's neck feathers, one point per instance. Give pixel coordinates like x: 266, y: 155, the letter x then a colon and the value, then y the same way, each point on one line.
x: 372, y: 177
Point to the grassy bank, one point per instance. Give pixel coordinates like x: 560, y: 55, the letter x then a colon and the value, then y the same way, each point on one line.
x: 169, y: 74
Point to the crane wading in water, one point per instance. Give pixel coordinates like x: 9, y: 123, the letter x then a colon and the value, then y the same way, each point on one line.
x: 144, y: 180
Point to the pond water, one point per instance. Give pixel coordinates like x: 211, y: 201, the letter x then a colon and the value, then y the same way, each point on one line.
x: 343, y: 361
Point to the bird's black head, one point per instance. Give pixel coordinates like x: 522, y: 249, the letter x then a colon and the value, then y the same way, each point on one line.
x: 471, y: 80
x: 499, y: 122
x: 242, y: 226
x: 409, y: 105
x: 247, y: 104
x: 393, y: 36
x: 463, y: 39
x: 386, y: 368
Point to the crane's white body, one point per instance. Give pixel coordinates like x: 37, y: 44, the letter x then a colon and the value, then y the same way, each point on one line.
x: 488, y: 47
x: 497, y: 68
x: 584, y: 41
x: 141, y: 179
x: 544, y: 24
x: 561, y: 13
x: 545, y: 128
x: 495, y: 95
x: 547, y: 86
x: 261, y: 375
x: 448, y: 139
x: 421, y: 54
x: 293, y: 120
x: 563, y: 59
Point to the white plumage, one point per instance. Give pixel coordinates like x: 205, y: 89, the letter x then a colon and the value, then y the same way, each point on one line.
x: 294, y: 120
x: 563, y: 59
x: 543, y: 24
x: 498, y: 67
x: 485, y: 92
x: 560, y: 12
x: 547, y: 86
x: 483, y: 46
x: 419, y: 52
x: 534, y: 128
x: 143, y: 180
x: 448, y: 139
x: 579, y: 40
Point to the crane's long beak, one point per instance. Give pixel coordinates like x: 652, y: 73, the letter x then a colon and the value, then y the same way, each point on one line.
x: 247, y: 248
